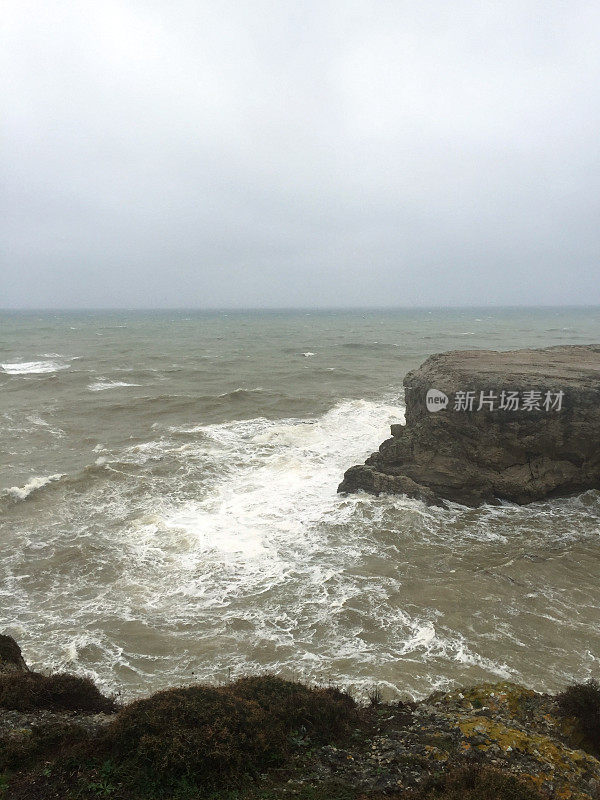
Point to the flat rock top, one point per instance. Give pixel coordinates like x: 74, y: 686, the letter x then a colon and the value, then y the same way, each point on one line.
x: 569, y: 365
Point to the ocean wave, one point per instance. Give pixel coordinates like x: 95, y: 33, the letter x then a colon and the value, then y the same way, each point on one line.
x: 36, y: 420
x: 33, y: 367
x: 235, y: 394
x: 153, y: 406
x: 279, y: 473
x: 102, y: 384
x: 32, y: 485
x: 236, y: 539
x: 82, y: 478
x: 365, y: 345
x: 240, y: 401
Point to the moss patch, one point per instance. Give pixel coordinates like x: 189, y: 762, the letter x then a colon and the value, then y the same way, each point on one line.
x: 503, y: 696
x: 555, y: 763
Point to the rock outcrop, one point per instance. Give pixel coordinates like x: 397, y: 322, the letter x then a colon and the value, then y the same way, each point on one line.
x: 11, y: 659
x: 483, y: 426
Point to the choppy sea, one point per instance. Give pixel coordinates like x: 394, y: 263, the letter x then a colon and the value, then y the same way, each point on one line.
x: 168, y: 507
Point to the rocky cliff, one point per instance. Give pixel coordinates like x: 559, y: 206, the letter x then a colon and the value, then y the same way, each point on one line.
x: 483, y: 426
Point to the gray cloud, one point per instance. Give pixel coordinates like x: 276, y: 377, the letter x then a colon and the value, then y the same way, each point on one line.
x: 235, y: 154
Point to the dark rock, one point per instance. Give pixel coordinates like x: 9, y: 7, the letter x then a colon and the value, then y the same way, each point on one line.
x: 548, y: 446
x: 11, y: 659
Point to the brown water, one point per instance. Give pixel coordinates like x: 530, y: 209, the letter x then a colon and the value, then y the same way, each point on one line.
x: 169, y: 510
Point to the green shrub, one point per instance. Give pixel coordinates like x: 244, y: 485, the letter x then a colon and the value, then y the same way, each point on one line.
x: 200, y: 735
x: 324, y: 713
x: 476, y: 783
x: 30, y: 691
x: 582, y: 701
x: 184, y: 742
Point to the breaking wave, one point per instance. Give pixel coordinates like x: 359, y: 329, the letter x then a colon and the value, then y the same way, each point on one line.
x: 32, y: 485
x: 33, y: 367
x: 234, y: 535
x: 102, y: 385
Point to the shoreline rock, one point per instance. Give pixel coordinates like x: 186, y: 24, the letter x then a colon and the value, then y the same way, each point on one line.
x: 520, y: 425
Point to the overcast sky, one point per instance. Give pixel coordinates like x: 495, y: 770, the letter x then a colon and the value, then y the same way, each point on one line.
x: 228, y: 153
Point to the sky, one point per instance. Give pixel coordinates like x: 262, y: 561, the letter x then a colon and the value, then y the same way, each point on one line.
x: 326, y: 153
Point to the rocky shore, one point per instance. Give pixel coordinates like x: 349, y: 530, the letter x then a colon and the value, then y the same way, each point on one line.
x: 262, y: 738
x: 483, y: 426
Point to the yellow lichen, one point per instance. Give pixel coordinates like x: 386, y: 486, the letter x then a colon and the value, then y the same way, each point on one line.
x: 494, y: 696
x: 558, y: 763
x: 436, y: 753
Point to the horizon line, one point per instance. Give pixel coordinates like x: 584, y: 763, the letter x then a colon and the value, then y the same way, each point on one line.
x: 223, y: 309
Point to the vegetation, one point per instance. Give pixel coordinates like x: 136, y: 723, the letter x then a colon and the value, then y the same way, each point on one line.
x: 31, y: 691
x: 44, y: 742
x: 475, y: 783
x: 204, y: 735
x: 582, y: 702
x: 264, y: 738
x: 10, y: 652
x: 199, y: 735
x: 323, y: 713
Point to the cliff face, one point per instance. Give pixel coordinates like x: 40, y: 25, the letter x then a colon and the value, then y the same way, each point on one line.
x: 485, y: 425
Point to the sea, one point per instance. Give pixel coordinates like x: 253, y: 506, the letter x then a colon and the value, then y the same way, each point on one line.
x: 169, y: 514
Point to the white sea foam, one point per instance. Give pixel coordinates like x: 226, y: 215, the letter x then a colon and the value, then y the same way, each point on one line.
x: 35, y: 419
x: 102, y: 385
x: 240, y: 391
x: 33, y: 367
x: 22, y: 492
x: 239, y: 540
x: 260, y: 527
x: 283, y: 472
x: 257, y: 520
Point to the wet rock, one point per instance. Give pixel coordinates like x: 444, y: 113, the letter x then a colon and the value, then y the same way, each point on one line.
x: 521, y: 426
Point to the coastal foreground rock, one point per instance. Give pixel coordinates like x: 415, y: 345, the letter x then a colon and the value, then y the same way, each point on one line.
x: 483, y: 426
x: 262, y: 737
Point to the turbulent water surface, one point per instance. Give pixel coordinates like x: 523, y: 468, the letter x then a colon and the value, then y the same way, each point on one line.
x: 169, y: 510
